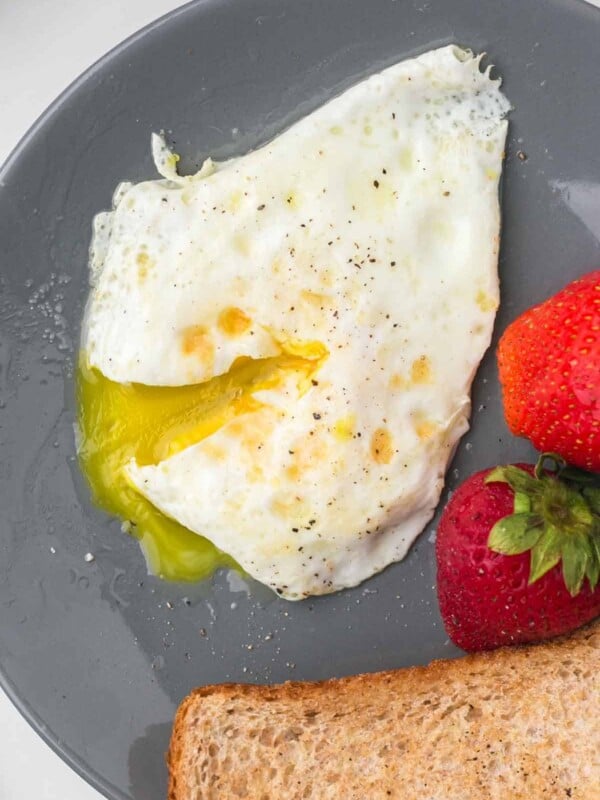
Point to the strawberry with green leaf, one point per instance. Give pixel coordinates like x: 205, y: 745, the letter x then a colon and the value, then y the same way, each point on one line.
x: 518, y: 554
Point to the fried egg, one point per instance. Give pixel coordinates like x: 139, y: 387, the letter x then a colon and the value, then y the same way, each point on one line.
x: 342, y: 281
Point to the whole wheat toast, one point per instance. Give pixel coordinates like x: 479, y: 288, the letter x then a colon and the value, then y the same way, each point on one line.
x: 514, y: 723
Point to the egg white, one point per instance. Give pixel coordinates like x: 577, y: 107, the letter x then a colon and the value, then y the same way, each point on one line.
x: 371, y: 227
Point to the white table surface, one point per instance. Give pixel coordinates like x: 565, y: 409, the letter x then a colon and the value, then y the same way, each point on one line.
x: 44, y: 45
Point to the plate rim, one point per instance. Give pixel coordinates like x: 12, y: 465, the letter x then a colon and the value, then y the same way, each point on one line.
x: 24, y: 708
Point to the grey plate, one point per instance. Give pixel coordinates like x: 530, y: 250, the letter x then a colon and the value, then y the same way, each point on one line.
x: 90, y: 652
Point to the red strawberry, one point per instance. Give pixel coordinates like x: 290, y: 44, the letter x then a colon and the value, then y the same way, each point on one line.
x: 518, y: 555
x: 549, y: 362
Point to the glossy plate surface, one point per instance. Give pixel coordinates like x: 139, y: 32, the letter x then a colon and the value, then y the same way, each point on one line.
x: 97, y: 654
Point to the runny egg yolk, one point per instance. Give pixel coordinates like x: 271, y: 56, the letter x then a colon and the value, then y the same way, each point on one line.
x: 118, y: 422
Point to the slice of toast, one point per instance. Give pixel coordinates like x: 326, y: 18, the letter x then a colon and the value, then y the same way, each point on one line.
x: 514, y: 723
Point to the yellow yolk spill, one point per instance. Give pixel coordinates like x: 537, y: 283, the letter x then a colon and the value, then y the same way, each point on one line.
x: 118, y: 422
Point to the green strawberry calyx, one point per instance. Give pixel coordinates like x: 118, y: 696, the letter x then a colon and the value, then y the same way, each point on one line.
x: 556, y: 517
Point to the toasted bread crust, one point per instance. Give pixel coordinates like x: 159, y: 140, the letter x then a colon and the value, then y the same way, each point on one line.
x: 513, y: 723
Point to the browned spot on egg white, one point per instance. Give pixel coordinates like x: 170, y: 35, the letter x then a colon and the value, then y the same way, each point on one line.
x: 382, y: 450
x: 143, y: 261
x: 425, y: 429
x: 315, y: 299
x: 485, y: 302
x: 421, y: 371
x: 197, y: 341
x: 255, y: 474
x: 289, y: 506
x: 397, y: 382
x: 253, y: 431
x: 215, y: 451
x: 233, y: 321
x: 306, y: 456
